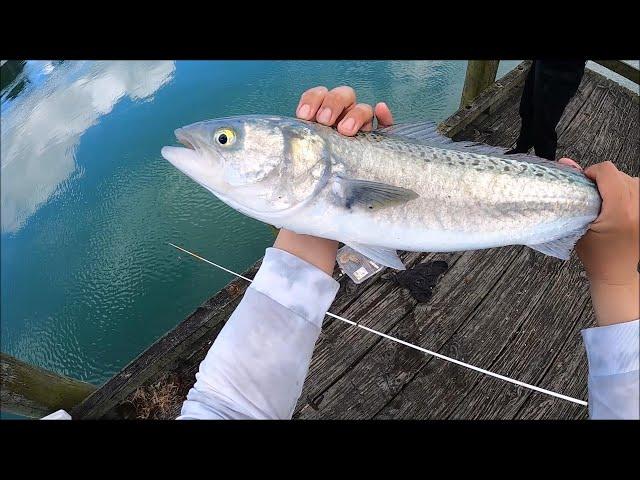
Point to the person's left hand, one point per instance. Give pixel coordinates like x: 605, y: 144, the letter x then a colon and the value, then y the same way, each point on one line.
x: 338, y: 106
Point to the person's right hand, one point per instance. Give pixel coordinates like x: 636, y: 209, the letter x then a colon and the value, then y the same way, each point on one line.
x: 610, y: 250
x: 338, y: 106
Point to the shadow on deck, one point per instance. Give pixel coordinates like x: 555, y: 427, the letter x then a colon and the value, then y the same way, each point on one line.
x: 509, y: 310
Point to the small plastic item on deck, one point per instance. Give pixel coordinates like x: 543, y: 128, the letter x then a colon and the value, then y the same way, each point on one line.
x: 357, y: 266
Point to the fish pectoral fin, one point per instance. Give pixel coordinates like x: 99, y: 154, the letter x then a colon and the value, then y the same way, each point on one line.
x: 385, y: 256
x: 561, y: 248
x: 371, y: 195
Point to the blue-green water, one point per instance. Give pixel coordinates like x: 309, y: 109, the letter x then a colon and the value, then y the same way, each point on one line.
x: 88, y: 204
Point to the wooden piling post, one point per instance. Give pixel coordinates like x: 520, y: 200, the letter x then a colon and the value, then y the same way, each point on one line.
x: 480, y: 75
x: 35, y: 392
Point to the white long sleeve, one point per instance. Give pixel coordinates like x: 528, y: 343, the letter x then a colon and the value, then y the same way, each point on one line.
x: 613, y: 355
x: 256, y: 367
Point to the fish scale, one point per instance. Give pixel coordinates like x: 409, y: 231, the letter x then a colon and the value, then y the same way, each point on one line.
x: 479, y: 161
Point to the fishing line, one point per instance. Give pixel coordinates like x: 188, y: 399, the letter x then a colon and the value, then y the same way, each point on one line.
x: 211, y: 263
x: 415, y: 347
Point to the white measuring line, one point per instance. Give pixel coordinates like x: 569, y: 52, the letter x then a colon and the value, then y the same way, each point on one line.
x: 415, y: 347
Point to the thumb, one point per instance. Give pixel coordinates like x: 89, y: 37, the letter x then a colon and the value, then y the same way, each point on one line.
x: 611, y: 183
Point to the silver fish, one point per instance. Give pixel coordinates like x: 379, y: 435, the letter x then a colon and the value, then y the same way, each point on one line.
x: 405, y: 187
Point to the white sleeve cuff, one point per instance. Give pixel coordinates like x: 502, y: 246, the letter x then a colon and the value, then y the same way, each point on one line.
x: 57, y: 415
x: 296, y: 285
x: 612, y: 349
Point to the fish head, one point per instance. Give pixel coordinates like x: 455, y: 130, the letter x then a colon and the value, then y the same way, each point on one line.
x: 259, y: 165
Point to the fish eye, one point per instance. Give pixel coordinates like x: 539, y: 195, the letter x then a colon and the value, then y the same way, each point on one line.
x: 224, y: 137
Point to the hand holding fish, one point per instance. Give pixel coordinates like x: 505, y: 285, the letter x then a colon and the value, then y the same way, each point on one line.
x: 610, y: 250
x: 339, y: 106
x: 330, y: 107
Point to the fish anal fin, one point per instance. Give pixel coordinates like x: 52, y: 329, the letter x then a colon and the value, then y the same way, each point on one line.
x: 560, y: 248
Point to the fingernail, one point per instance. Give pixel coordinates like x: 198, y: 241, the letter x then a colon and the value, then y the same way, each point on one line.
x: 325, y: 115
x: 570, y: 162
x: 348, y: 124
x: 303, y: 111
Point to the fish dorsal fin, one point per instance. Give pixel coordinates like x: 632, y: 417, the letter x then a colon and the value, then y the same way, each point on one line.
x: 368, y: 194
x: 561, y: 247
x: 384, y: 256
x: 428, y: 133
x: 423, y: 131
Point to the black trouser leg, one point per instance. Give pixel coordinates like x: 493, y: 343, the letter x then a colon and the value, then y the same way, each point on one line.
x: 549, y: 87
x: 557, y: 82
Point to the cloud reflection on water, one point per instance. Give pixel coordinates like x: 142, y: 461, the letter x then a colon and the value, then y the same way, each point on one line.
x: 42, y: 127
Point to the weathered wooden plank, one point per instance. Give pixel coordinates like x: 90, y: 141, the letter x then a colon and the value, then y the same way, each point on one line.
x: 504, y: 122
x: 480, y: 75
x: 489, y: 399
x: 618, y: 141
x: 340, y: 345
x: 585, y: 90
x: 618, y: 138
x: 35, y: 392
x: 488, y: 100
x: 628, y: 158
x: 350, y: 292
x: 576, y: 132
x: 567, y: 374
x: 531, y: 347
x: 497, y: 128
x: 369, y: 385
x: 437, y: 388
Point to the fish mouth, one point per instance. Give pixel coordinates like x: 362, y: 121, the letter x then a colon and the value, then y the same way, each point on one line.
x: 183, y: 158
x: 183, y: 138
